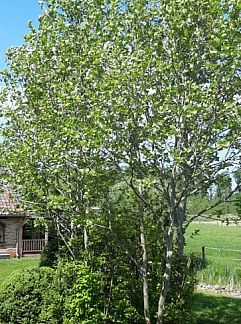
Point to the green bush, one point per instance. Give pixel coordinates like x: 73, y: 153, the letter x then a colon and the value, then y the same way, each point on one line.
x: 49, y: 256
x: 73, y: 293
x: 23, y: 296
x: 81, y: 292
x: 86, y: 295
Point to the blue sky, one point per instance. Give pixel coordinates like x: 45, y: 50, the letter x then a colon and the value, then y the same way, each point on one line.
x: 14, y: 17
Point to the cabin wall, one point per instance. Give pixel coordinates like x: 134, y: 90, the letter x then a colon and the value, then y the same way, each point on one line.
x: 15, y: 241
x: 12, y: 226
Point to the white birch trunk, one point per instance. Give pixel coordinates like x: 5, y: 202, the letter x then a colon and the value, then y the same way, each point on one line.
x: 167, y: 274
x: 144, y: 266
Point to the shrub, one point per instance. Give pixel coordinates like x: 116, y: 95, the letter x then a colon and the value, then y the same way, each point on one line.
x: 81, y: 290
x: 23, y: 296
x: 87, y: 297
x: 49, y: 256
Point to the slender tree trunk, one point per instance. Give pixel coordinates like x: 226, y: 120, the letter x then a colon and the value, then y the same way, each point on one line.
x: 63, y: 239
x: 142, y: 242
x: 167, y: 273
x: 107, y: 306
x: 180, y: 242
x: 179, y: 219
x: 144, y: 266
x: 86, y: 237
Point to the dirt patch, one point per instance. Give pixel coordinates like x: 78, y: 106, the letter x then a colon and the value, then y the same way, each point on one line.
x: 222, y: 290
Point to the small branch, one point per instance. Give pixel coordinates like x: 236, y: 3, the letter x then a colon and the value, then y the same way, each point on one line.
x: 142, y: 198
x: 66, y: 244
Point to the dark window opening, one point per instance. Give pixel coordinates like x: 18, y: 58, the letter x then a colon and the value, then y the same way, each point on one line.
x: 31, y: 231
x: 2, y: 233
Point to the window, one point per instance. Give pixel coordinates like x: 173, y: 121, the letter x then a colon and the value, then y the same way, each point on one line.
x: 2, y: 233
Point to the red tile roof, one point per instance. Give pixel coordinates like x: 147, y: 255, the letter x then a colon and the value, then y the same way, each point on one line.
x: 9, y: 202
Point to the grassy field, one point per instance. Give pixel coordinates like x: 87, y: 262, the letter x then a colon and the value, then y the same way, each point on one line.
x: 223, y: 253
x: 211, y: 308
x: 8, y: 266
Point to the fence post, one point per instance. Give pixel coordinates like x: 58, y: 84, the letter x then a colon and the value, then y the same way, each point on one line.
x: 203, y: 254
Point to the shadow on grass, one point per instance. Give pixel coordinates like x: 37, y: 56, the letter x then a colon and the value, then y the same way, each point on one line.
x: 213, y: 308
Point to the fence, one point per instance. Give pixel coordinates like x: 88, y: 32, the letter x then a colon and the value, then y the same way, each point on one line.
x: 206, y: 248
x: 220, y: 266
x: 219, y: 223
x: 34, y: 245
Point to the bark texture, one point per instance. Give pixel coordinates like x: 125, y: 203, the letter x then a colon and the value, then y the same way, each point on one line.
x: 167, y: 273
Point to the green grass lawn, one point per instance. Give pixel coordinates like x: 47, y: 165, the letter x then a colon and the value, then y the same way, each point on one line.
x: 8, y: 266
x: 210, y: 308
x: 223, y: 265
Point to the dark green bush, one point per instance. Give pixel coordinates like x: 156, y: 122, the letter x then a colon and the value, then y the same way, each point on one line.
x: 81, y: 292
x: 75, y: 293
x: 49, y: 256
x: 23, y: 296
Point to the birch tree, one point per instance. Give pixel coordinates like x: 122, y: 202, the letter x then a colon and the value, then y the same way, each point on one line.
x: 170, y: 105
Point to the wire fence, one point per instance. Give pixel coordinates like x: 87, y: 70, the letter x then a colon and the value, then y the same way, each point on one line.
x: 221, y: 253
x: 220, y: 266
x: 223, y: 223
x: 221, y: 249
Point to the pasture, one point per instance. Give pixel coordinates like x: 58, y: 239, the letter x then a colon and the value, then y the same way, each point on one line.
x: 223, y: 253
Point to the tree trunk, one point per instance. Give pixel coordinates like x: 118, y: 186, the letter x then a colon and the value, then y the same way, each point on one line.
x: 144, y: 266
x: 85, y: 239
x: 167, y: 273
x: 179, y: 219
x: 180, y: 242
x: 85, y: 234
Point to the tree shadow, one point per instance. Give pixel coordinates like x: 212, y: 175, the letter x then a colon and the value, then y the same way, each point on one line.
x: 213, y: 308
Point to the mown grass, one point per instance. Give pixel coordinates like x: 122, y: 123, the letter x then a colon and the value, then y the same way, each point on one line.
x: 223, y: 266
x: 210, y: 308
x: 8, y: 266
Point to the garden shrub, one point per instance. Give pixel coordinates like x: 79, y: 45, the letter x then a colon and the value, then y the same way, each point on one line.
x: 83, y: 295
x: 49, y: 256
x: 23, y: 296
x: 81, y: 290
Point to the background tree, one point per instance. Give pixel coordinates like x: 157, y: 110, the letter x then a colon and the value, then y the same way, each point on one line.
x: 223, y: 185
x: 237, y: 178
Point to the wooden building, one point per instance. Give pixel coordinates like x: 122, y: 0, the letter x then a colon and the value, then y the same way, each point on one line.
x: 18, y: 235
